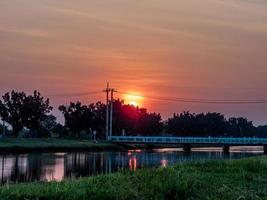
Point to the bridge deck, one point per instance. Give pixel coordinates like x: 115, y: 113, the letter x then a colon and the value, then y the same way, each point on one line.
x: 189, y: 140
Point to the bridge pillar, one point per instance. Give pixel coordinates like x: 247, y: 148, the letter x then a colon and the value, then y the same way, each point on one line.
x: 226, y: 149
x: 187, y: 148
x: 265, y: 149
x: 149, y: 146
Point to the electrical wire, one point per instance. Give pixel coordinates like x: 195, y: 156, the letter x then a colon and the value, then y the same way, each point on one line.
x: 170, y: 99
x: 201, y: 101
x: 66, y: 95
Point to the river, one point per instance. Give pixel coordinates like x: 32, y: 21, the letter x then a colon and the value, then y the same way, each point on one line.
x: 15, y: 168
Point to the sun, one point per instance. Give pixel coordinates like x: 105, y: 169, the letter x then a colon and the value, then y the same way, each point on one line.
x: 134, y: 99
x: 133, y: 103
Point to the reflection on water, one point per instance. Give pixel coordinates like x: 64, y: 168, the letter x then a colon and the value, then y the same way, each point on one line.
x: 132, y: 163
x: 59, y: 166
x: 164, y: 162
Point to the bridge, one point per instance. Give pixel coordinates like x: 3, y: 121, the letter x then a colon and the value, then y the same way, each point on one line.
x: 187, y: 142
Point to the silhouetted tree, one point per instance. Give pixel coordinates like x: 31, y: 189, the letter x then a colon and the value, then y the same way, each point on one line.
x: 261, y: 131
x: 211, y: 124
x: 97, y: 123
x: 125, y: 117
x: 75, y: 116
x: 183, y: 124
x: 149, y: 123
x: 48, y: 126
x: 190, y: 124
x: 7, y: 132
x: 132, y: 119
x: 135, y: 120
x: 240, y: 127
x: 35, y: 110
x: 60, y: 130
x: 20, y: 110
x: 11, y: 110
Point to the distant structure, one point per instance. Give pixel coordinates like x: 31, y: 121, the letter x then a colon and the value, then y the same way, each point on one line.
x: 188, y: 142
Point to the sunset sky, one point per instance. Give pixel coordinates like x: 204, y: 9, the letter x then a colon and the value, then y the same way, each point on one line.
x: 201, y: 49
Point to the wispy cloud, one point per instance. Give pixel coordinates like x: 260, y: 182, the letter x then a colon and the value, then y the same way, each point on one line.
x: 115, y: 22
x: 73, y: 12
x: 27, y: 32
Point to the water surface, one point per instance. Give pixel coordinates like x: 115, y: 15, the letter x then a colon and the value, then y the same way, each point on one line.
x: 59, y: 166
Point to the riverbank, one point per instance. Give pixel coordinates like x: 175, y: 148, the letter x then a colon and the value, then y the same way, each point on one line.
x: 236, y: 179
x: 28, y: 145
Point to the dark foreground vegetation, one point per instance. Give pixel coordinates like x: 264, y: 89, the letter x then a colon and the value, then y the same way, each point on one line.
x: 52, y: 145
x: 237, y: 179
x: 30, y: 116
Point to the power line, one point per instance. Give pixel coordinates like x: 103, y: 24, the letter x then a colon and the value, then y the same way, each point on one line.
x: 201, y: 101
x: 63, y: 95
x: 171, y: 99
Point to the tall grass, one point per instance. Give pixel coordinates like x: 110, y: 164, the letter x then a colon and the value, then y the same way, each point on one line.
x: 238, y: 179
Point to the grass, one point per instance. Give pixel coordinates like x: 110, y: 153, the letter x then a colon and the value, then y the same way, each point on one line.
x: 237, y: 179
x: 52, y: 144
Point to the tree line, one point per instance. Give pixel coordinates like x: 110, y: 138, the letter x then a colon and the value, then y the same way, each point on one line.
x: 30, y: 116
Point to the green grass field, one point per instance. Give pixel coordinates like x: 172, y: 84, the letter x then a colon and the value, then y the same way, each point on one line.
x: 29, y: 144
x: 237, y: 179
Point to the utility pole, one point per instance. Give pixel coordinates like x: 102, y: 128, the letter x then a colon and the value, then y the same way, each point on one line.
x: 111, y: 113
x: 107, y: 90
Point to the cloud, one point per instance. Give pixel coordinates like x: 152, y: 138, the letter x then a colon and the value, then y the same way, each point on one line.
x: 27, y: 32
x: 73, y: 12
x: 124, y: 22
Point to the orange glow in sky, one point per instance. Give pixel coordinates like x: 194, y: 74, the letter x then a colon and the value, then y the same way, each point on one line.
x: 185, y: 49
x: 133, y: 99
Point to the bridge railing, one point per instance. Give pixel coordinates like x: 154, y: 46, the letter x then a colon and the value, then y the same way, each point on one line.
x: 191, y: 140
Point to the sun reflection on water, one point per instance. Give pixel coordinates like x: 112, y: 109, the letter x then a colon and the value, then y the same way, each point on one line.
x: 132, y: 163
x: 164, y: 162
